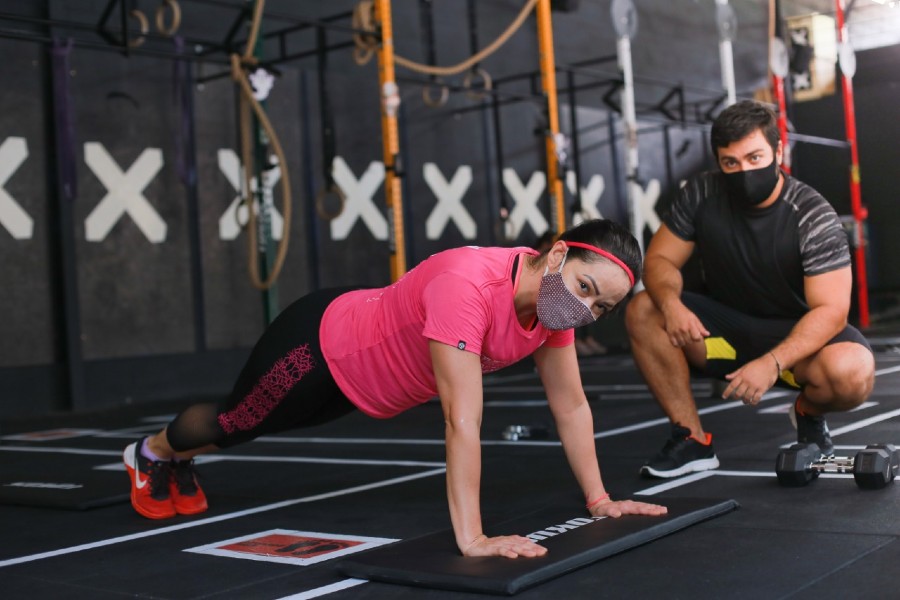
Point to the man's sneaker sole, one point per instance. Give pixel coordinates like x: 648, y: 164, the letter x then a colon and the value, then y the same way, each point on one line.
x: 128, y: 458
x: 703, y: 464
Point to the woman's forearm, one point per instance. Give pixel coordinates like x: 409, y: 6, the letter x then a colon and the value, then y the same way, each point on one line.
x: 464, y: 481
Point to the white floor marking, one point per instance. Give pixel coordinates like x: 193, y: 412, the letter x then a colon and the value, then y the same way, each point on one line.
x: 328, y: 461
x: 234, y: 458
x: 778, y: 409
x: 440, y: 442
x: 688, y: 479
x: 675, y: 483
x: 392, y: 442
x: 665, y: 420
x: 887, y: 370
x: 325, y: 589
x: 226, y: 517
x: 130, y: 432
x: 513, y: 403
x: 782, y: 409
x: 60, y: 450
x: 865, y: 422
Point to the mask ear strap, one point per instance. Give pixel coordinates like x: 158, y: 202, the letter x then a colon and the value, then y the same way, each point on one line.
x: 547, y: 268
x: 566, y: 255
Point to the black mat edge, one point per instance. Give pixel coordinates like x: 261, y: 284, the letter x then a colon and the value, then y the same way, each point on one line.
x: 357, y: 567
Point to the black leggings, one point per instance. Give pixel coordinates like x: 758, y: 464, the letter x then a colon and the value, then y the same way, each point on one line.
x: 284, y: 384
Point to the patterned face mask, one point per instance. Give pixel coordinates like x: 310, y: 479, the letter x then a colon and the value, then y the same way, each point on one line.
x: 557, y: 307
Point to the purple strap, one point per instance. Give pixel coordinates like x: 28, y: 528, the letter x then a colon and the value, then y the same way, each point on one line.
x: 65, y: 121
x: 181, y: 86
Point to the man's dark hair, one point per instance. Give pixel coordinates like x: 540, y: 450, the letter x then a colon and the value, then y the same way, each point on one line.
x: 740, y: 120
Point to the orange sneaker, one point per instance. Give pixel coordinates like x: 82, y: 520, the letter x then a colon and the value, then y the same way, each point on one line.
x: 186, y: 493
x: 149, y: 483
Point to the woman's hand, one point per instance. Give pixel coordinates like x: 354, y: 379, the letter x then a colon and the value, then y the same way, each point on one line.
x: 610, y: 508
x: 510, y: 546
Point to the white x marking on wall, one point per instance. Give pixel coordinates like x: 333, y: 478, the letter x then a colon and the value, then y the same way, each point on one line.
x: 358, y: 204
x: 646, y: 200
x: 590, y: 196
x: 235, y: 216
x: 124, y: 193
x: 13, y: 217
x: 449, y: 205
x: 526, y: 198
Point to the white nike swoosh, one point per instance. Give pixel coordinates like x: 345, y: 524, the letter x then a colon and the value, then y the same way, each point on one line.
x: 138, y: 483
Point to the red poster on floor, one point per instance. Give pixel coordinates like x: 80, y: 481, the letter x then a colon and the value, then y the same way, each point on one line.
x: 292, y: 547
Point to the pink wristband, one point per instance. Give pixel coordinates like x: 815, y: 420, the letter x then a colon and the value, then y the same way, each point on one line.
x: 597, y: 501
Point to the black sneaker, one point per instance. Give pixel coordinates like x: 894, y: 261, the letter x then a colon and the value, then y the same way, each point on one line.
x: 682, y: 454
x: 812, y: 430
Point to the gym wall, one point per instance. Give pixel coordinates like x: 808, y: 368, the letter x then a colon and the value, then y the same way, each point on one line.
x: 160, y: 305
x: 875, y: 84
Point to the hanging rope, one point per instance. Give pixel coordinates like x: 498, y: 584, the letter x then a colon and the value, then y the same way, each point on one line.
x: 364, y: 20
x: 247, y: 102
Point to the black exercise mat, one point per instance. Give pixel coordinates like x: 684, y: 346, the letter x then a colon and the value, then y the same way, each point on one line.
x: 60, y: 481
x: 434, y: 561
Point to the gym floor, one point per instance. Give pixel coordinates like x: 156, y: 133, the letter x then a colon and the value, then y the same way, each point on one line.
x: 379, y: 481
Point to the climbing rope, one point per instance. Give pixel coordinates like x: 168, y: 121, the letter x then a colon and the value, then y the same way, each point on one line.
x: 367, y: 42
x: 248, y: 103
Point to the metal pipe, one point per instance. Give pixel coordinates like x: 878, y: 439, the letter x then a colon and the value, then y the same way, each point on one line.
x: 390, y: 105
x: 860, y: 213
x: 726, y: 58
x: 629, y: 117
x: 548, y: 83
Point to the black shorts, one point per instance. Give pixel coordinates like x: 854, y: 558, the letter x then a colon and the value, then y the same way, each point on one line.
x: 737, y: 338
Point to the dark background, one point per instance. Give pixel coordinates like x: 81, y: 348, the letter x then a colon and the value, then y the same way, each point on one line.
x: 88, y: 324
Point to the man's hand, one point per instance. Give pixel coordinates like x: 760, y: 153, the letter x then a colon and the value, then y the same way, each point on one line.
x: 750, y: 382
x: 682, y: 326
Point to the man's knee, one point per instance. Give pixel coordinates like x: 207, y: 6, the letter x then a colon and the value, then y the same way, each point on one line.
x: 850, y: 369
x: 640, y: 312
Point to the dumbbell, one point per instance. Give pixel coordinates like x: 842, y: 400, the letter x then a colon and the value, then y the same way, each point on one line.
x: 876, y: 466
x: 514, y: 433
x: 873, y: 468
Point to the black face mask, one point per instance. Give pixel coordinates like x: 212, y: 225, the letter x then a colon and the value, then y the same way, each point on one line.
x: 750, y: 188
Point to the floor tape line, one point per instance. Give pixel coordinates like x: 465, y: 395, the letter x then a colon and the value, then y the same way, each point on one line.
x: 243, y: 513
x: 325, y: 589
x: 240, y: 457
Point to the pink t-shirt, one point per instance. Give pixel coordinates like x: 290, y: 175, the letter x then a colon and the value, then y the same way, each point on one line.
x: 376, y: 340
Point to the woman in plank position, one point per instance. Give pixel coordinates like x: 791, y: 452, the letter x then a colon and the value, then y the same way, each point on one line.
x: 457, y: 315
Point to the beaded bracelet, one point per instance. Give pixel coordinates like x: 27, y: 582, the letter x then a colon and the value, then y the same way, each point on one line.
x: 597, y: 501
